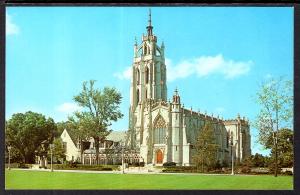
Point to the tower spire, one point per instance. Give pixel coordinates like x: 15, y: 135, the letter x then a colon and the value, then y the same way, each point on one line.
x: 149, y: 21
x: 149, y: 27
x: 135, y: 41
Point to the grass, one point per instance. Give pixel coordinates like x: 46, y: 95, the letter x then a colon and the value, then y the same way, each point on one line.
x: 20, y: 179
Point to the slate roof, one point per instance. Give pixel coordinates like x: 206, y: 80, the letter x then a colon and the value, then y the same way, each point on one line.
x: 117, y: 136
x: 72, y: 136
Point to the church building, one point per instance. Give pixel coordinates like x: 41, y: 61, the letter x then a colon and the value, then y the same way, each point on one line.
x: 165, y: 131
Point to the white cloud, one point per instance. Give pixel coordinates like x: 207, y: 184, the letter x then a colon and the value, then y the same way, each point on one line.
x: 200, y: 66
x: 207, y: 65
x: 126, y: 74
x: 68, y: 107
x: 11, y: 28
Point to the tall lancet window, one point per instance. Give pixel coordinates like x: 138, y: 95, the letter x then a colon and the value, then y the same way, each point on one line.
x: 147, y: 75
x: 159, y: 131
x: 137, y: 76
x: 137, y: 96
x: 145, y: 50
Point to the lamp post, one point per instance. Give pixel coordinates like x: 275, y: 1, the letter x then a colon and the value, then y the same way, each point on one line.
x: 9, y: 148
x: 123, y: 158
x: 139, y: 161
x: 232, y: 157
x: 51, y: 151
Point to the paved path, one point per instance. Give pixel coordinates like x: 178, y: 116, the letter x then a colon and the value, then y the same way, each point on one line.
x: 126, y: 172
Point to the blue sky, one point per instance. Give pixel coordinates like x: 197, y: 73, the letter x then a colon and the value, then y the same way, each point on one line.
x: 216, y: 56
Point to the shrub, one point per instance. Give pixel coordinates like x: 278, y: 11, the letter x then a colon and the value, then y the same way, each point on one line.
x: 287, y: 173
x: 136, y: 164
x: 192, y: 169
x: 245, y: 169
x: 72, y: 164
x: 216, y: 171
x: 225, y: 163
x: 169, y: 164
x: 218, y: 165
x: 142, y: 164
x: 272, y: 169
x: 24, y: 166
x: 180, y: 169
x: 12, y: 165
x: 106, y: 169
x: 85, y: 167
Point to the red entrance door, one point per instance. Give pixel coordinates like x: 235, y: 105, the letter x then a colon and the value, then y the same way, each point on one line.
x: 159, y: 157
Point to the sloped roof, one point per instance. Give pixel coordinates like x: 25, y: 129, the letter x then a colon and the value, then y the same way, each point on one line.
x: 117, y: 136
x: 70, y: 135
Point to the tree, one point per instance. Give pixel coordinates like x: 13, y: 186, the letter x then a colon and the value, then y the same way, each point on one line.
x: 26, y: 132
x: 100, y: 108
x: 58, y: 150
x: 276, y: 100
x: 61, y: 126
x: 247, y: 164
x: 258, y: 160
x: 285, y: 147
x: 206, y: 148
x: 15, y: 155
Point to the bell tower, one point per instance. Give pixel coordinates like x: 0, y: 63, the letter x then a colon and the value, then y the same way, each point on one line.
x: 149, y: 70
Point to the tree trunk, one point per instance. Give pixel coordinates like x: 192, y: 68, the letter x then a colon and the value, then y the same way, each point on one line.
x: 81, y: 152
x: 96, y: 139
x: 23, y: 156
x: 276, y: 161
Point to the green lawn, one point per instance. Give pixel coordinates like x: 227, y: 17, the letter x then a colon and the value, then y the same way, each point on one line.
x: 18, y: 179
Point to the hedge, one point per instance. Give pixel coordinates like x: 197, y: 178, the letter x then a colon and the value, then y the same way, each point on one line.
x: 19, y: 165
x: 85, y: 167
x: 169, y: 164
x: 180, y: 169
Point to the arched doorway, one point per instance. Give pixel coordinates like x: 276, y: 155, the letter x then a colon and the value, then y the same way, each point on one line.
x: 159, y: 157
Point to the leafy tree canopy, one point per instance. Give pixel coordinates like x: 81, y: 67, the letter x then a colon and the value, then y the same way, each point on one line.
x: 99, y: 109
x: 206, y: 148
x: 58, y: 149
x: 25, y: 132
x: 275, y: 98
x: 285, y: 147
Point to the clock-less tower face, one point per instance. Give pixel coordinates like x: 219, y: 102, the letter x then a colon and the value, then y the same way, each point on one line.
x: 149, y: 70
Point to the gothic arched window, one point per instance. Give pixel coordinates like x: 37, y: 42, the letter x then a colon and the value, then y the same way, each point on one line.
x: 227, y: 139
x: 145, y: 50
x: 157, y: 52
x: 137, y: 77
x: 137, y: 96
x: 147, y: 75
x: 159, y: 131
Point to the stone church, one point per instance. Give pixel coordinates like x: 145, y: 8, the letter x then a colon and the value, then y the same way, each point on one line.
x: 165, y: 131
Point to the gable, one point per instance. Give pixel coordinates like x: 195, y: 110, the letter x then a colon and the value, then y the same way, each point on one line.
x: 65, y: 136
